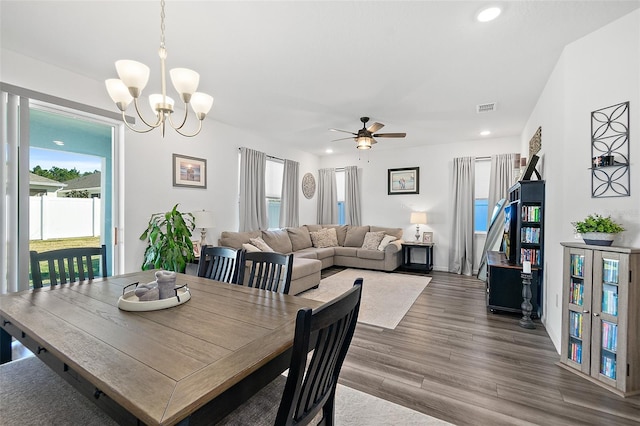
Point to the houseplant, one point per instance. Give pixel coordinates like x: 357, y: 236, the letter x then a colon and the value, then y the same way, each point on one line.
x: 597, y: 230
x: 169, y: 241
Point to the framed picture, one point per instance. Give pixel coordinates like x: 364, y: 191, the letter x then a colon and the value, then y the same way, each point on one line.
x: 189, y: 171
x: 427, y: 237
x: 196, y: 248
x: 404, y: 181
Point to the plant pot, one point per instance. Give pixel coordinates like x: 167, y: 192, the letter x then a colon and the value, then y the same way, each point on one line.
x: 598, y: 238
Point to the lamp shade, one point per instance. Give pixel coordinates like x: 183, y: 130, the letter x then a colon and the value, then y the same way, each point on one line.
x: 185, y: 80
x: 201, y: 104
x: 133, y: 74
x: 119, y: 93
x: 203, y: 219
x: 419, y: 218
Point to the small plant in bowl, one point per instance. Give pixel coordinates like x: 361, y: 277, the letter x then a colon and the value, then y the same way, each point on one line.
x: 597, y: 230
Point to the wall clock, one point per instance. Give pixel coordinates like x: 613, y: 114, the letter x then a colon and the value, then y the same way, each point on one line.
x: 308, y: 185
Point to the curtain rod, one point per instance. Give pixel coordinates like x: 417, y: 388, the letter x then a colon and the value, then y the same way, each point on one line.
x: 269, y: 156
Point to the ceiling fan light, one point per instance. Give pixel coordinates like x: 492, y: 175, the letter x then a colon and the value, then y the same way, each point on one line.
x: 363, y: 143
x: 201, y: 104
x: 134, y: 75
x: 119, y: 93
x: 185, y: 82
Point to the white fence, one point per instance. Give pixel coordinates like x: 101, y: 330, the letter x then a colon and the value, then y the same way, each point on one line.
x: 58, y: 217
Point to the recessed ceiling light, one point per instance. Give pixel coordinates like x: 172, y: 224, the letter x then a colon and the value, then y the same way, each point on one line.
x: 59, y: 143
x: 485, y: 133
x: 329, y: 151
x: 488, y: 14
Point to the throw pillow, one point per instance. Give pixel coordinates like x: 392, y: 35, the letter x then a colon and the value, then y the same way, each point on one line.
x: 355, y: 236
x: 250, y: 248
x: 300, y: 238
x: 259, y: 242
x: 372, y: 240
x: 324, y: 238
x: 385, y: 241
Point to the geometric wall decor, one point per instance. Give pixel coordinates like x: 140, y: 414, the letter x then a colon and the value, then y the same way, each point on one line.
x: 610, y: 152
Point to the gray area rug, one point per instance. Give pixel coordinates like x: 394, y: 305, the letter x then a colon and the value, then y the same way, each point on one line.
x: 31, y: 394
x: 386, y: 297
x: 352, y: 408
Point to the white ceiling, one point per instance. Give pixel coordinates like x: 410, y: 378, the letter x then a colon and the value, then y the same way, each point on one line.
x: 292, y: 70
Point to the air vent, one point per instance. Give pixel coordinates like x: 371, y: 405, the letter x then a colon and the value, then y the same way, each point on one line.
x: 482, y: 108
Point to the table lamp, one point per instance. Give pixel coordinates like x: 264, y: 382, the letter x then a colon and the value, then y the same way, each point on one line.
x: 203, y: 219
x: 418, y: 218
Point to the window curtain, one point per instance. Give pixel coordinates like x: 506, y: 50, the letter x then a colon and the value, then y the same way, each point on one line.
x: 253, y: 207
x: 327, y: 197
x: 462, y: 191
x: 14, y: 213
x: 289, y: 198
x: 503, y: 176
x: 352, y: 196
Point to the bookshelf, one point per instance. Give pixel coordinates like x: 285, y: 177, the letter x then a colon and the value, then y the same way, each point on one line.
x: 528, y: 196
x: 600, y: 313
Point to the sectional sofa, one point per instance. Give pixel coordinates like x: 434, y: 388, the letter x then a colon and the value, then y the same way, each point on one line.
x: 316, y: 247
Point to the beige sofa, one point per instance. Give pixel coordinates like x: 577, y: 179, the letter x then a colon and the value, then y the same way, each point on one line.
x: 310, y: 260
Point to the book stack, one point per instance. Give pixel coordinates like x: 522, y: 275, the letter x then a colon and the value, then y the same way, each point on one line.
x: 531, y: 213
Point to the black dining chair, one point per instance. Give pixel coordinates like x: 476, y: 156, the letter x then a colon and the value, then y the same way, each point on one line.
x: 68, y: 265
x: 308, y: 392
x: 267, y: 271
x: 220, y: 263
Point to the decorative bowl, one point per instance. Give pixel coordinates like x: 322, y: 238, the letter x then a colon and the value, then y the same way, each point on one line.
x: 598, y: 238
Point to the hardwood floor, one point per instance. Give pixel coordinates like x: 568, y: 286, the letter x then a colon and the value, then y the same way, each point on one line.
x: 451, y: 359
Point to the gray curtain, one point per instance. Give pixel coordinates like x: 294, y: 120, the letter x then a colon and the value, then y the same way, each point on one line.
x: 463, y: 197
x: 289, y: 198
x: 353, y: 214
x: 503, y: 176
x: 327, y: 197
x: 253, y: 206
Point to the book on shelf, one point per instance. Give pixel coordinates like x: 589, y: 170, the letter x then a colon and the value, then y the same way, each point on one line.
x: 531, y: 213
x: 576, y: 292
x: 610, y: 270
x: 531, y: 255
x: 577, y: 265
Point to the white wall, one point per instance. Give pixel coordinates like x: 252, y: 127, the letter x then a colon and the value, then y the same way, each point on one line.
x: 597, y: 71
x: 435, y: 162
x: 148, y: 186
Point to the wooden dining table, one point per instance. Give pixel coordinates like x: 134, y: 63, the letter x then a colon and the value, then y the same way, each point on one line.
x: 188, y: 364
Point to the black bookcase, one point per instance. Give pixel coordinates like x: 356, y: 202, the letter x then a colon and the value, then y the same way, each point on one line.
x: 525, y: 232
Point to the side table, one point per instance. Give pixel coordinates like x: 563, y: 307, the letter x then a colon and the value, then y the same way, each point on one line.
x: 407, y: 265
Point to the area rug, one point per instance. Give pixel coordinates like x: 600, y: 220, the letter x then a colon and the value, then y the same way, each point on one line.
x: 386, y: 297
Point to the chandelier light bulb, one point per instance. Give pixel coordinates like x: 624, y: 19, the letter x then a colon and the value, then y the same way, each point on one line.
x: 185, y: 82
x: 119, y: 93
x: 201, y: 104
x: 157, y: 103
x: 134, y: 75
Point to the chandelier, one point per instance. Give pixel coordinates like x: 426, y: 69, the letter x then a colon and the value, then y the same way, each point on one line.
x: 133, y: 79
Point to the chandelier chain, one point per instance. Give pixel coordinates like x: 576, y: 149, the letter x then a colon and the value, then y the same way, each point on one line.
x: 162, y: 23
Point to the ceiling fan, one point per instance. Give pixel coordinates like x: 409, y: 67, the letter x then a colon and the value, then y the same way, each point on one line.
x: 365, y: 136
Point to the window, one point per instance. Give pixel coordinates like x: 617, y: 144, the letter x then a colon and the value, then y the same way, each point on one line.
x: 274, y: 172
x: 340, y: 190
x: 482, y: 178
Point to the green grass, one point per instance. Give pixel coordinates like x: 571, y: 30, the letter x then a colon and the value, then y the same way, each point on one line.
x: 61, y: 243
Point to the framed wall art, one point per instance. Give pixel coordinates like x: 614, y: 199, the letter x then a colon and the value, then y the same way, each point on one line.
x: 403, y: 181
x: 189, y: 171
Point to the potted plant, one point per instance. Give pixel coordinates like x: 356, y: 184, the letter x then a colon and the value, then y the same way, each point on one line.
x: 597, y: 230
x: 169, y: 241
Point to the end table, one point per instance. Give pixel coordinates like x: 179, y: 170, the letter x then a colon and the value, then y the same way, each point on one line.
x: 407, y: 265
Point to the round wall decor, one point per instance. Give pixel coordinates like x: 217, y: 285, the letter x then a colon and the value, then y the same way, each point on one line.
x: 308, y: 185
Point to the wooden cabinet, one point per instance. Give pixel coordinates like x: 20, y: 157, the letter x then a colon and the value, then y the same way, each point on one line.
x: 504, y: 285
x: 526, y: 199
x: 600, y: 315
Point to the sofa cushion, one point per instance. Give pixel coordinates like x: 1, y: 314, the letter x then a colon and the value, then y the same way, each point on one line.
x: 300, y: 238
x: 355, y: 236
x: 323, y: 253
x: 236, y: 239
x: 372, y: 240
x: 260, y: 243
x: 303, y: 267
x: 308, y: 253
x: 370, y: 254
x: 346, y: 251
x: 278, y: 240
x: 250, y: 248
x: 385, y: 241
x: 341, y: 232
x: 313, y: 228
x: 324, y: 238
x: 396, y: 232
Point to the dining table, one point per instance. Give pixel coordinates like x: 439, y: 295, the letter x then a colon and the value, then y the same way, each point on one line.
x: 188, y: 364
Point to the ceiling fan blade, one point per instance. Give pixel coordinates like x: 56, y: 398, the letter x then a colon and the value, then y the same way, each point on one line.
x: 341, y: 139
x: 390, y: 135
x: 345, y: 131
x: 375, y: 127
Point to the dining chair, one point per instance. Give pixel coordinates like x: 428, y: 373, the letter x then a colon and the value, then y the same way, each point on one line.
x: 68, y: 265
x: 220, y: 263
x: 308, y: 392
x: 267, y: 271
